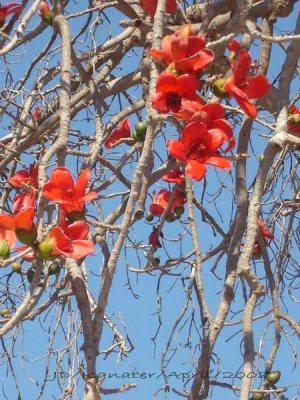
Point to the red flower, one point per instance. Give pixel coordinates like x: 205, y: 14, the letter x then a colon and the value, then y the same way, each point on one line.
x: 198, y: 146
x: 23, y: 207
x: 176, y: 175
x: 45, y: 12
x: 36, y: 113
x: 154, y: 238
x: 68, y: 246
x: 24, y: 179
x: 243, y: 88
x: 122, y: 131
x: 68, y: 239
x: 149, y: 6
x: 172, y: 89
x: 24, y: 202
x: 233, y: 47
x: 188, y: 109
x: 77, y: 230
x: 266, y: 234
x: 211, y: 115
x: 22, y: 221
x: 185, y: 51
x: 62, y: 190
x: 160, y: 202
x: 294, y: 119
x: 9, y: 8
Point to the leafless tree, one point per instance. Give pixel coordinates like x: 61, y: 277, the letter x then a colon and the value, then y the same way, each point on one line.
x: 66, y: 84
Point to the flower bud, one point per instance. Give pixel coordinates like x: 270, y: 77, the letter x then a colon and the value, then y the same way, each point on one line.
x: 27, y: 237
x: 4, y: 250
x: 54, y: 268
x: 76, y: 216
x: 218, y: 88
x: 45, y: 249
x: 273, y: 377
x: 16, y: 267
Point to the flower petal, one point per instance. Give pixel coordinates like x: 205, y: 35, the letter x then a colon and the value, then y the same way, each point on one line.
x: 77, y: 230
x: 219, y: 162
x: 195, y: 170
x: 257, y: 86
x: 176, y: 150
x: 81, y: 184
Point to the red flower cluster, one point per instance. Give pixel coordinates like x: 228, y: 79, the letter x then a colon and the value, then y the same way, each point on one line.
x: 161, y: 200
x: 294, y: 120
x: 184, y: 55
x: 206, y: 129
x: 68, y: 238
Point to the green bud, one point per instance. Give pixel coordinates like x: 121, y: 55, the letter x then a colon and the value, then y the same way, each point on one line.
x: 27, y: 237
x: 54, y: 268
x: 45, y: 249
x: 156, y: 261
x: 76, y: 216
x: 261, y: 158
x: 5, y: 313
x: 257, y: 396
x: 16, y: 267
x: 4, y: 250
x: 141, y: 129
x: 170, y: 218
x: 179, y: 211
x: 218, y: 90
x: 273, y: 377
x: 149, y: 217
x: 295, y: 119
x: 29, y: 274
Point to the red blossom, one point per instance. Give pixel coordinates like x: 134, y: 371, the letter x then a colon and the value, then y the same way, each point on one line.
x: 9, y: 8
x: 149, y: 6
x: 62, y: 190
x: 23, y: 207
x: 44, y: 9
x: 184, y: 52
x: 266, y: 234
x: 234, y: 46
x: 154, y: 238
x: 70, y: 247
x: 171, y: 90
x: 160, y: 202
x: 122, y: 131
x: 198, y: 146
x: 176, y: 175
x: 211, y: 115
x: 24, y: 179
x: 36, y: 113
x: 242, y: 87
x: 67, y: 239
x: 294, y: 119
